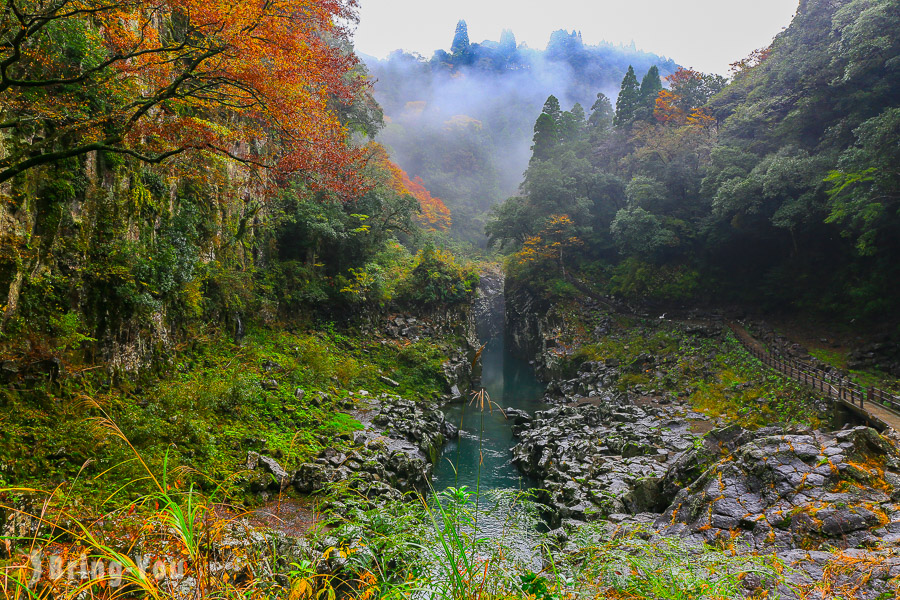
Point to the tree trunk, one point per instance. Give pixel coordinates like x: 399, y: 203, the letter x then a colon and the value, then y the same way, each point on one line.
x: 12, y: 299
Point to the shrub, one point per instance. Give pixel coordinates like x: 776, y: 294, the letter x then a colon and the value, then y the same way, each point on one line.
x: 638, y: 279
x: 438, y: 280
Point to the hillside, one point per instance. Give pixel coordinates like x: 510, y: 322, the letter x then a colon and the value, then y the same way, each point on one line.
x: 463, y: 120
x: 251, y: 346
x: 779, y: 189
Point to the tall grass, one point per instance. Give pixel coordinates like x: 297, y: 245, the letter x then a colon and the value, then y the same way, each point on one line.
x: 432, y: 549
x: 175, y: 532
x: 429, y: 550
x: 424, y: 548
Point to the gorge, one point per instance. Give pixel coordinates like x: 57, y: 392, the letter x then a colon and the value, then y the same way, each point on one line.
x: 282, y: 321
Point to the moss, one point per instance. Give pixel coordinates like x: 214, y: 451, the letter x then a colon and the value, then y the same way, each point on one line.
x: 721, y: 379
x: 214, y: 403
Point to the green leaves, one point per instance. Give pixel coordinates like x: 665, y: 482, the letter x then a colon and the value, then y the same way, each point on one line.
x: 864, y: 192
x: 637, y: 231
x: 629, y: 99
x: 438, y: 280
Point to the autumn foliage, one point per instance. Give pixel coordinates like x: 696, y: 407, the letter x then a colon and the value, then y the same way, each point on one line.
x: 434, y: 215
x: 667, y: 108
x: 756, y: 58
x: 554, y: 241
x: 681, y: 103
x: 256, y: 82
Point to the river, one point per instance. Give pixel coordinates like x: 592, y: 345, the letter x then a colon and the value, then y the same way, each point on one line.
x: 510, y: 383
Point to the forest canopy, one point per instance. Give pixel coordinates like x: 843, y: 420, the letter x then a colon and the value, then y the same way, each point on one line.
x: 153, y: 79
x: 779, y: 186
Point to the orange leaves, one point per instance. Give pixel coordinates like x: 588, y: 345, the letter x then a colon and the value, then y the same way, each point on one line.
x: 557, y: 236
x: 681, y: 103
x: 253, y: 81
x: 699, y: 117
x: 274, y: 67
x: 683, y: 77
x: 394, y: 175
x: 434, y: 215
x: 754, y: 59
x: 667, y: 109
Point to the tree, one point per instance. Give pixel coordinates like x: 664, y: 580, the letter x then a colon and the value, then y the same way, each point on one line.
x: 865, y: 189
x: 571, y: 124
x: 629, y: 99
x: 546, y: 130
x: 153, y: 79
x: 692, y: 89
x: 433, y: 213
x: 554, y: 243
x: 667, y: 108
x: 646, y: 192
x: 602, y: 114
x: 552, y: 108
x: 460, y: 38
x: 439, y: 280
x: 651, y: 86
x: 511, y: 222
x: 641, y: 233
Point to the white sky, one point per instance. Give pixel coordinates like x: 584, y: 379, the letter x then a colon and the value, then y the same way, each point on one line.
x: 704, y: 34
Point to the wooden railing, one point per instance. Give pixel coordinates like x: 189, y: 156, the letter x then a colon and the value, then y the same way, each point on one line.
x: 828, y: 384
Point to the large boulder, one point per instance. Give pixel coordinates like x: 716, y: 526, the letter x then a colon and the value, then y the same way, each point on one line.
x: 808, y: 490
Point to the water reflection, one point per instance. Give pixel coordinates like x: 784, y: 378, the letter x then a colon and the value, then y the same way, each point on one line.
x: 482, y: 454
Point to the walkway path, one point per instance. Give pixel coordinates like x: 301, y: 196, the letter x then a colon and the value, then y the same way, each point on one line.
x: 878, y: 406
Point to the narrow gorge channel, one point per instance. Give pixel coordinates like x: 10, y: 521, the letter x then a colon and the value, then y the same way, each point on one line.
x: 481, y: 457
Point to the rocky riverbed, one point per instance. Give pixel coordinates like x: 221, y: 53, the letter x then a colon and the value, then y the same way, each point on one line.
x: 637, y: 457
x: 604, y: 457
x: 393, y: 454
x: 823, y: 502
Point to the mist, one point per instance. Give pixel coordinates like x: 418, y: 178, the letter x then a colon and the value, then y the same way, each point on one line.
x: 464, y: 122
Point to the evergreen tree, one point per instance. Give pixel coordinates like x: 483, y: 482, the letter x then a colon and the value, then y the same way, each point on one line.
x: 551, y: 108
x: 629, y: 99
x: 546, y: 130
x: 578, y: 112
x: 602, y: 114
x: 651, y: 86
x: 460, y: 39
x: 571, y: 124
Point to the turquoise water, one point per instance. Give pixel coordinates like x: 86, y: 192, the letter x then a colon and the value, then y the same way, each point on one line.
x: 510, y: 383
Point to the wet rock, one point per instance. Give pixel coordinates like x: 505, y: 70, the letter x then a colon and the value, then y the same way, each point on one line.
x: 271, y: 466
x: 312, y: 477
x: 645, y: 496
x: 258, y: 482
x: 691, y: 464
x: 600, y: 458
x: 792, y: 489
x: 457, y: 372
x: 320, y: 399
x: 252, y: 460
x: 391, y: 456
